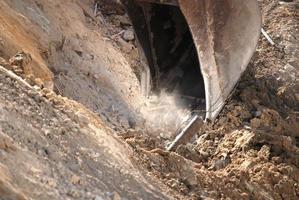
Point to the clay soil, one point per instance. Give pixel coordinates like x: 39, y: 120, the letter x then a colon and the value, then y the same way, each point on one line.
x: 71, y: 126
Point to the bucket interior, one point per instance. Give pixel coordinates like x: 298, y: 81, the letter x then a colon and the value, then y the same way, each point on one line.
x: 168, y: 46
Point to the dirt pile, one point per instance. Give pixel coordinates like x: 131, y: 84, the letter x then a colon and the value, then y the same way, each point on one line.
x: 251, y: 151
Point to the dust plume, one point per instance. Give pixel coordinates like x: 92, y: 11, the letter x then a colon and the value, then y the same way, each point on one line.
x: 163, y: 114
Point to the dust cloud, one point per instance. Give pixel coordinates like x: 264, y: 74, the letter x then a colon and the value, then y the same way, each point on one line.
x: 164, y: 114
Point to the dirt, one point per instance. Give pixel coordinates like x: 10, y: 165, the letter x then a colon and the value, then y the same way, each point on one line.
x: 58, y: 146
x: 94, y: 143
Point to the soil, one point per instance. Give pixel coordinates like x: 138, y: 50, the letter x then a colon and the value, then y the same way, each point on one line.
x: 75, y: 129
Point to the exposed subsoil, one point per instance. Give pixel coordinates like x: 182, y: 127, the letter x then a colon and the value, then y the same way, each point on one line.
x: 52, y: 147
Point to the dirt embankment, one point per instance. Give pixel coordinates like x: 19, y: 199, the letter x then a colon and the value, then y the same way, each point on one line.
x: 54, y: 148
x: 71, y: 49
x: 250, y: 152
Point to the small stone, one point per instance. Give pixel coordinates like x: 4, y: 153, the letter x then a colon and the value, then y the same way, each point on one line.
x: 221, y: 163
x: 18, y: 71
x: 264, y: 152
x: 75, y: 179
x: 73, y: 193
x: 125, y: 46
x: 39, y: 82
x: 50, y: 95
x: 52, y: 183
x: 37, y: 98
x: 128, y: 35
x: 82, y: 119
x: 257, y: 113
x: 204, y: 154
x: 45, y: 91
x: 32, y: 93
x: 29, y: 79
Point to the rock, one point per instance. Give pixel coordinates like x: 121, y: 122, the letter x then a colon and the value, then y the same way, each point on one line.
x: 39, y: 82
x: 257, y: 113
x: 81, y: 119
x: 221, y: 163
x: 75, y: 179
x: 46, y: 91
x: 50, y: 95
x: 125, y: 46
x: 264, y: 153
x: 52, y: 183
x: 17, y: 70
x: 128, y: 35
x: 204, y: 154
x: 73, y: 193
x: 29, y: 79
x: 22, y: 60
x: 123, y: 20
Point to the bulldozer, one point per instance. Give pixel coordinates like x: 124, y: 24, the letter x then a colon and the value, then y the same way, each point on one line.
x: 197, y: 49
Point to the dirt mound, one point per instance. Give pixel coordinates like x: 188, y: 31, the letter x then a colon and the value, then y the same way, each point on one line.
x: 251, y: 150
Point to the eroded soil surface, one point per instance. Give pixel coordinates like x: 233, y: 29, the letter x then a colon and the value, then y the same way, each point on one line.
x: 88, y: 138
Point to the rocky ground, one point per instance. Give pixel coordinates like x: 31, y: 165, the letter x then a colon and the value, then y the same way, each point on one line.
x: 52, y: 147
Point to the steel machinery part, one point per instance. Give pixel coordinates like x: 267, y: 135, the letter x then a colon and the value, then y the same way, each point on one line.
x: 217, y: 37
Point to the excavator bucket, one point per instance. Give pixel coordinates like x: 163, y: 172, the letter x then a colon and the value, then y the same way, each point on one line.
x: 196, y: 48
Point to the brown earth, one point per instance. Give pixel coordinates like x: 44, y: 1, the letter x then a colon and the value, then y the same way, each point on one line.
x: 52, y: 147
